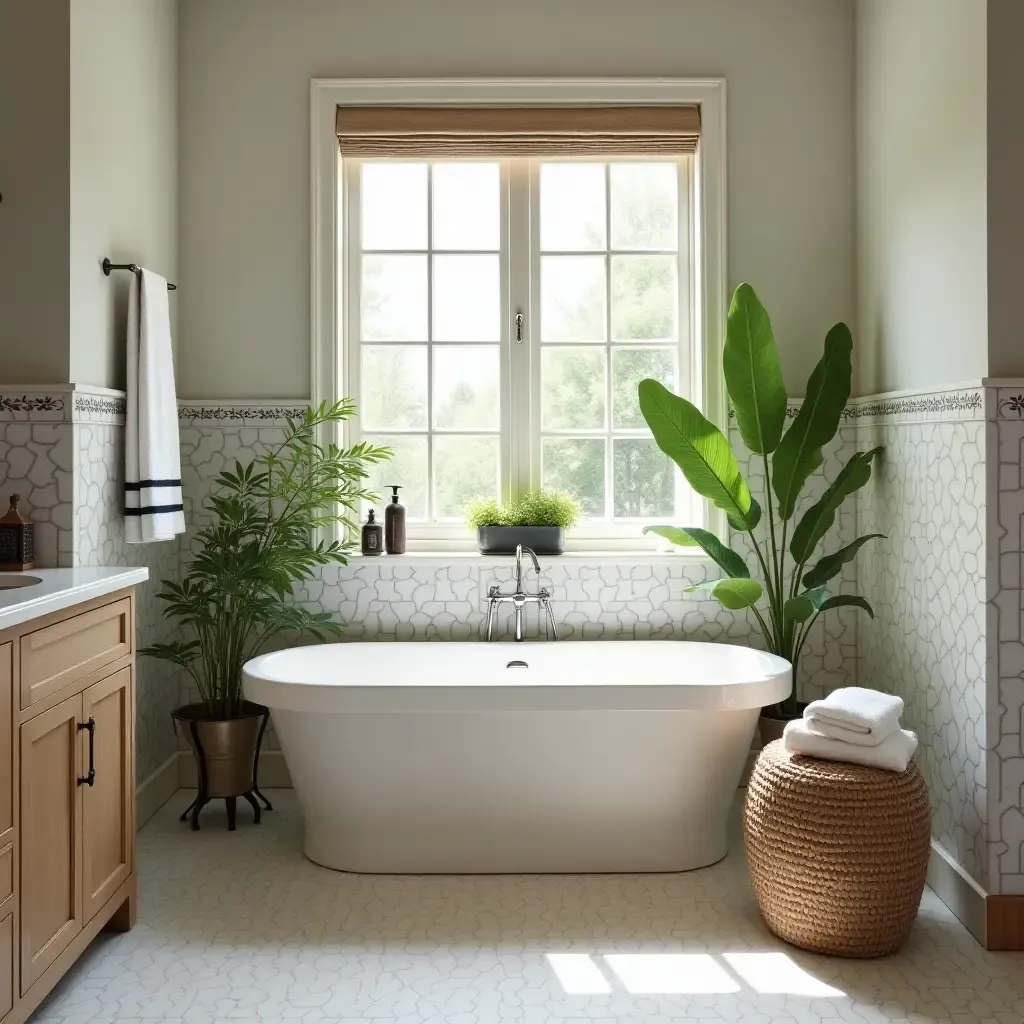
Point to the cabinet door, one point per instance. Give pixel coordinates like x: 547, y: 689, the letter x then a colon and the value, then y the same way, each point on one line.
x: 6, y: 743
x: 51, y: 837
x: 107, y: 803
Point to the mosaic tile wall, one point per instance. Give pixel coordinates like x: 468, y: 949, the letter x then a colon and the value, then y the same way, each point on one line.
x: 61, y: 449
x: 37, y: 463
x: 933, y: 640
x: 1006, y: 645
x: 926, y: 583
x: 99, y: 486
x: 439, y: 598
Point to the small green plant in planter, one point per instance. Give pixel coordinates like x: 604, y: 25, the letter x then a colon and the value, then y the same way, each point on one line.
x: 792, y: 591
x: 538, y: 521
x: 237, y: 593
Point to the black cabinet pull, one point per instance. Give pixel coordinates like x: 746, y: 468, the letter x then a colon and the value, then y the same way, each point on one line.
x: 90, y: 779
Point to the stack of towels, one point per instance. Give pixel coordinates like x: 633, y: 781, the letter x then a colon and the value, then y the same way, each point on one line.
x: 853, y: 724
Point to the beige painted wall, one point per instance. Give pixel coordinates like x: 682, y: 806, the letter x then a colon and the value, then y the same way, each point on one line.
x: 34, y: 185
x: 244, y: 114
x: 921, y: 191
x: 1005, y: 187
x: 124, y: 186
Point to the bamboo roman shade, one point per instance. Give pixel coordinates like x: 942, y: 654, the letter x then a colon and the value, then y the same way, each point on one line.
x: 517, y: 131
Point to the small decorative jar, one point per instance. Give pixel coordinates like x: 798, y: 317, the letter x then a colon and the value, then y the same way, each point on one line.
x: 17, y: 550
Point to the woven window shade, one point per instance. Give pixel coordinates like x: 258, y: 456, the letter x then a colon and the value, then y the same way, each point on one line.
x: 517, y: 131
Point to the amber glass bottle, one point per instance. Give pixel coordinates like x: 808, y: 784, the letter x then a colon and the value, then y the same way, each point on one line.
x: 373, y: 535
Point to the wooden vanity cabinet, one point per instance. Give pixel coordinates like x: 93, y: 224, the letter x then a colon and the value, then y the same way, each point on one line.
x: 67, y: 793
x: 51, y: 840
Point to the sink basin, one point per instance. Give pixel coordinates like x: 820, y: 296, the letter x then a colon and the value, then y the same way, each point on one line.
x: 10, y: 581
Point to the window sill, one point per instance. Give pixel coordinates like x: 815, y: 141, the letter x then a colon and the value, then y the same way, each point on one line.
x: 595, y: 557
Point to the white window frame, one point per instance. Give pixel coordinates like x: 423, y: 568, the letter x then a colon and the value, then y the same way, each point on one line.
x: 330, y: 287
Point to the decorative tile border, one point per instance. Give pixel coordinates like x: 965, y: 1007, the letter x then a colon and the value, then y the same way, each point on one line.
x: 1010, y: 403
x: 17, y: 407
x: 61, y: 403
x: 269, y: 413
x: 959, y: 405
x: 98, y: 409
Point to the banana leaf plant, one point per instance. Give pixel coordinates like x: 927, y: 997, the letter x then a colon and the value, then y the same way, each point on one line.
x: 792, y: 590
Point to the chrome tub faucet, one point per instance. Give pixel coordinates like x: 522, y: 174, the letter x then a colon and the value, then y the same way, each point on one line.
x: 519, y: 599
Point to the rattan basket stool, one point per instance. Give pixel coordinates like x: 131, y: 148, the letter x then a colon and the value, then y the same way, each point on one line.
x: 837, y: 853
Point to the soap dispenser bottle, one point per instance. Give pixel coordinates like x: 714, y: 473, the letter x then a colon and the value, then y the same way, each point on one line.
x: 394, y: 524
x: 373, y: 535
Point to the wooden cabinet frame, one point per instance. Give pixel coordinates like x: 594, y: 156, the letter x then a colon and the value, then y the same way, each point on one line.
x: 80, y: 664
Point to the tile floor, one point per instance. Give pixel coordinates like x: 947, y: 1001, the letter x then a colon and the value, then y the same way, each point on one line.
x: 240, y: 927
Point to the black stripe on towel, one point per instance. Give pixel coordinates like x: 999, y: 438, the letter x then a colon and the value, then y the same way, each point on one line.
x: 152, y: 483
x: 152, y: 510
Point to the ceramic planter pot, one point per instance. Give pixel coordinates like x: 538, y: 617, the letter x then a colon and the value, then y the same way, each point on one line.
x: 224, y: 750
x: 502, y: 540
x: 771, y: 726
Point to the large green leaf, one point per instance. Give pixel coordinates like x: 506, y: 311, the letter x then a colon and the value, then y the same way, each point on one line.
x: 831, y: 565
x: 753, y: 377
x: 753, y: 517
x: 803, y: 606
x: 734, y: 594
x: 799, y: 451
x: 688, y: 536
x: 818, y: 519
x: 698, y: 448
x: 847, y: 601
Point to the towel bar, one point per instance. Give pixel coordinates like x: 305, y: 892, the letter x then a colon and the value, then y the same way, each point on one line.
x: 133, y: 267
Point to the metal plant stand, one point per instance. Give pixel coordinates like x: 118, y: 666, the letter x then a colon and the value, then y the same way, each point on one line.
x: 252, y: 795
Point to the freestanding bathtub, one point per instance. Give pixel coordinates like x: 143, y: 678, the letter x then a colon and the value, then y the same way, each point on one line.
x: 532, y: 757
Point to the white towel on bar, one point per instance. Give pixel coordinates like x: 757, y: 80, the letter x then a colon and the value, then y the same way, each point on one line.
x: 893, y: 753
x: 855, y: 714
x: 152, y: 500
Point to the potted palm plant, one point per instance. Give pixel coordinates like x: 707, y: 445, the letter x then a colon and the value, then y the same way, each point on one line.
x: 237, y: 593
x: 792, y: 591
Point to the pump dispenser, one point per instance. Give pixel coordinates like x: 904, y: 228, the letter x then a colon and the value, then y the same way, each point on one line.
x: 394, y: 524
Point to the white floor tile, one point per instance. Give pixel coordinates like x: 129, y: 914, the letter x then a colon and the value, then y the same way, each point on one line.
x: 239, y: 927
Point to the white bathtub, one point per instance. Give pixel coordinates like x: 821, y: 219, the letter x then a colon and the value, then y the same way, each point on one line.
x: 458, y: 758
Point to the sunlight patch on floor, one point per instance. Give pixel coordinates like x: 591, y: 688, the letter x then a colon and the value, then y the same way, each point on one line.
x: 766, y: 973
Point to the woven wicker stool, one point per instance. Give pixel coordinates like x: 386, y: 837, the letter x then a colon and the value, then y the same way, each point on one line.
x: 837, y: 853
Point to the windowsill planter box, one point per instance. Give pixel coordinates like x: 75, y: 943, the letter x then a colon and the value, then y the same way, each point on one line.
x: 502, y: 540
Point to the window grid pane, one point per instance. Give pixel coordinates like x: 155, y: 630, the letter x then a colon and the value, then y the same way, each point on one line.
x: 456, y: 396
x: 432, y: 401
x: 638, y: 481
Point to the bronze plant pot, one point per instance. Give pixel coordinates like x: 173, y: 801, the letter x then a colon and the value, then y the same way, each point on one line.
x: 226, y: 753
x: 771, y: 726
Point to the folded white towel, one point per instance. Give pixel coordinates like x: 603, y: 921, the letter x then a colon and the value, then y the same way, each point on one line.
x: 855, y: 714
x: 152, y: 470
x: 893, y: 753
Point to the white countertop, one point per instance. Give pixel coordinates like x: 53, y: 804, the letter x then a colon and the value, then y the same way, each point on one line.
x: 62, y: 588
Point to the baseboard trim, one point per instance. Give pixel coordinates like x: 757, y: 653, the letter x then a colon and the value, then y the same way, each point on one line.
x: 273, y: 771
x: 967, y: 900
x: 156, y: 789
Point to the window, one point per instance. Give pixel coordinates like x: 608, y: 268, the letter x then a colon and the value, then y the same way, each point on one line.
x: 496, y: 311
